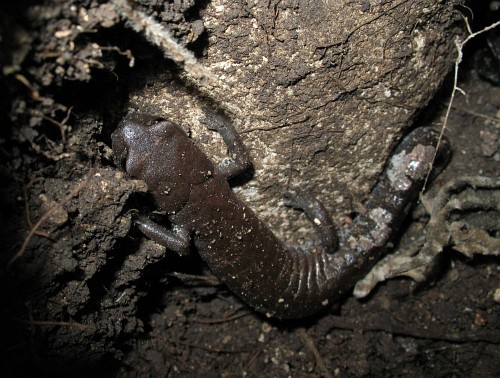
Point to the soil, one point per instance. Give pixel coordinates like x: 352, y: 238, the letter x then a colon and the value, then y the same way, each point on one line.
x: 83, y: 292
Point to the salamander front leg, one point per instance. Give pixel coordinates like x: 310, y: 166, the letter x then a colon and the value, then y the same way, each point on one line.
x: 176, y: 240
x: 239, y: 160
x: 317, y: 214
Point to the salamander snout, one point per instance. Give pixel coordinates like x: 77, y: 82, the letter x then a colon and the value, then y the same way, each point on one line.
x: 135, y: 135
x: 127, y: 140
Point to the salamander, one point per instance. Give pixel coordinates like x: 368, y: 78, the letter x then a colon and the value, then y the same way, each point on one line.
x: 239, y: 248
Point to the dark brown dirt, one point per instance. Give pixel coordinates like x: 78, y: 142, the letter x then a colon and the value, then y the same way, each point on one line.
x: 87, y: 294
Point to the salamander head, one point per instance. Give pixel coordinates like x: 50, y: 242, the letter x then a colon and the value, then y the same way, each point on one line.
x: 135, y: 138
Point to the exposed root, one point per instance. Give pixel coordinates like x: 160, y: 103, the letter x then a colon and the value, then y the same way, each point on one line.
x: 199, y: 75
x: 73, y: 192
x: 454, y: 222
x: 460, y: 48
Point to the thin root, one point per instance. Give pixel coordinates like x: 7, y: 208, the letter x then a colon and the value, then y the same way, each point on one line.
x: 73, y: 192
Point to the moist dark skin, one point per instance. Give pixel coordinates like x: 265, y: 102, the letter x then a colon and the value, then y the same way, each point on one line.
x: 240, y: 249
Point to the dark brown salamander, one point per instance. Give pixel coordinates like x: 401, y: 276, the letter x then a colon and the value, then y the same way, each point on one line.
x: 239, y: 248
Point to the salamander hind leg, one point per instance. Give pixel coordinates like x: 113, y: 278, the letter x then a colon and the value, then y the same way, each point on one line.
x: 317, y: 214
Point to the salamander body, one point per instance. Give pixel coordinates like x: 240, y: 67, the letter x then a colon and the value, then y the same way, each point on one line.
x: 239, y: 248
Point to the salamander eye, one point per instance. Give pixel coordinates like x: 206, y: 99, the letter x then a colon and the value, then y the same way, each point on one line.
x: 119, y: 146
x: 149, y: 121
x: 120, y: 156
x: 121, y: 159
x: 157, y: 120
